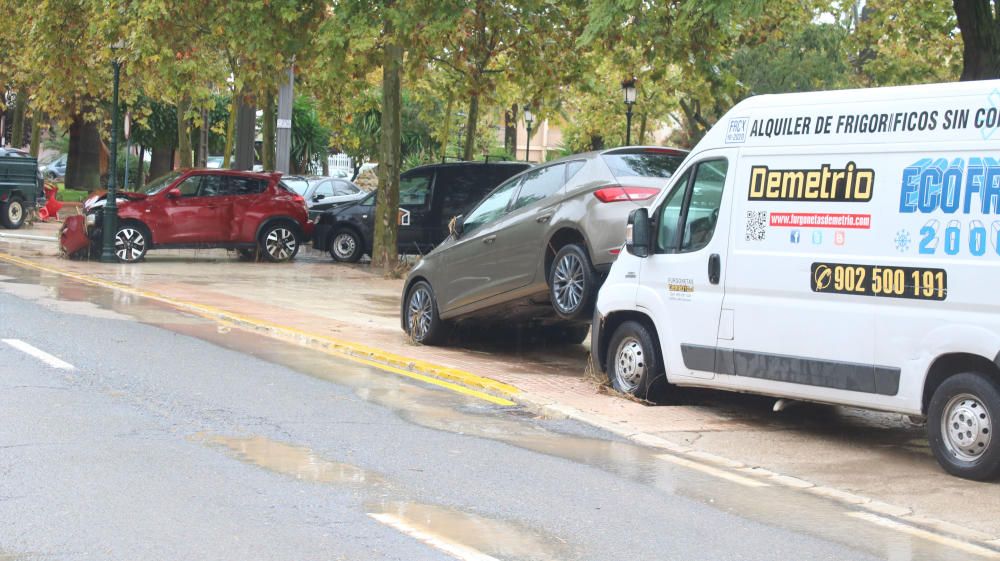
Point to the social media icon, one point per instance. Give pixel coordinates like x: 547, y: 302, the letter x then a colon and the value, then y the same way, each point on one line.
x: 838, y: 238
x: 817, y: 238
x: 796, y: 236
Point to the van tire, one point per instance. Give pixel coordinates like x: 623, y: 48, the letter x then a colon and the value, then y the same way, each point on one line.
x: 346, y: 246
x: 422, y: 322
x: 634, y: 364
x: 572, y: 283
x: 13, y: 213
x: 961, y: 418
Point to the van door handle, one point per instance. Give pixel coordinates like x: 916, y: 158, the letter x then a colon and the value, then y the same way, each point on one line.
x: 714, y: 268
x: 490, y: 239
x: 544, y: 218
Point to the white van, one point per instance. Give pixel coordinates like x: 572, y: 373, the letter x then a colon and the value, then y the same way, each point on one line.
x: 840, y: 247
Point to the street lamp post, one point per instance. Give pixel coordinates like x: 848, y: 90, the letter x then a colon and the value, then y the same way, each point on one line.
x: 111, y: 203
x: 528, y: 119
x: 628, y: 88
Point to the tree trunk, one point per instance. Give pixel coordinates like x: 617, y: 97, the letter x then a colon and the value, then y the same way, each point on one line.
x: 326, y: 166
x: 470, y: 128
x: 385, y: 253
x: 161, y: 161
x: 203, y: 139
x: 140, y: 177
x: 227, y: 156
x: 246, y: 132
x: 510, y: 131
x: 36, y: 133
x: 446, y: 140
x: 184, y: 134
x: 980, y: 26
x: 83, y: 165
x: 17, y: 131
x: 270, y: 122
x: 643, y: 122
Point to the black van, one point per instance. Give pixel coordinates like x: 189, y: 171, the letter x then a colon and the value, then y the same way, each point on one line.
x: 429, y: 197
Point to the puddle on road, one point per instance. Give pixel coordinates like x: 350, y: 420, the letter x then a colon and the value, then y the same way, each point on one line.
x: 499, y: 539
x: 296, y: 461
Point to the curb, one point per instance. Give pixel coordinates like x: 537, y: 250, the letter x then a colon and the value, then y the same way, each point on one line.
x: 903, y: 518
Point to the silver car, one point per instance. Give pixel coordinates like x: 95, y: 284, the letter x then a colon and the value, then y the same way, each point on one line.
x: 323, y: 193
x: 536, y: 249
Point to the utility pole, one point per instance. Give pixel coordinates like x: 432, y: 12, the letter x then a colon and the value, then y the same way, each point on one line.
x: 283, y: 141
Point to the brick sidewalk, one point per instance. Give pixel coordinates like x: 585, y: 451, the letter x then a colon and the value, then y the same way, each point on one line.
x: 871, y: 454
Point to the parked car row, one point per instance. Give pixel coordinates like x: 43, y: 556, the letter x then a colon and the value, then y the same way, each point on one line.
x: 854, y: 266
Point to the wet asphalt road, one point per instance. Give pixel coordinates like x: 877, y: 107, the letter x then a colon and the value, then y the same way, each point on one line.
x: 173, y: 437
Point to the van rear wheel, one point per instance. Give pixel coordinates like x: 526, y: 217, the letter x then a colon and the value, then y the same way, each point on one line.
x: 634, y: 363
x: 960, y: 422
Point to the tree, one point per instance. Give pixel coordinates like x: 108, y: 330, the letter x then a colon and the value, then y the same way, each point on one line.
x: 979, y: 21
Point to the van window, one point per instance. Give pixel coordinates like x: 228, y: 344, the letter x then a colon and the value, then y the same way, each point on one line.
x: 539, y: 184
x: 692, y: 208
x: 458, y: 190
x: 414, y: 189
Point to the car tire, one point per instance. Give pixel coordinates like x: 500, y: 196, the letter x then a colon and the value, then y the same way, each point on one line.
x: 960, y: 426
x: 13, y: 213
x: 131, y: 242
x: 423, y: 324
x: 634, y: 364
x: 279, y: 242
x: 345, y: 246
x: 572, y: 283
x: 566, y: 334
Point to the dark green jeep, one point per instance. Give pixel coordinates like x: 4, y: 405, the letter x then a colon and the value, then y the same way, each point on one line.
x: 21, y: 187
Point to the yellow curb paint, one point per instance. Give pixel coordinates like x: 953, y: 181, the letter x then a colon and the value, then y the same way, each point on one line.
x: 452, y: 379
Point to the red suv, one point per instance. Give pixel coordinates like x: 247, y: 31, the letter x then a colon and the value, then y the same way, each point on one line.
x: 253, y: 213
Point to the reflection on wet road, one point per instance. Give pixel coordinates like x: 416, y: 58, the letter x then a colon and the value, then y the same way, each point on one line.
x: 354, y: 446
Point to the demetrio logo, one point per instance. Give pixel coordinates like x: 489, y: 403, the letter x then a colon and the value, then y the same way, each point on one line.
x: 850, y: 184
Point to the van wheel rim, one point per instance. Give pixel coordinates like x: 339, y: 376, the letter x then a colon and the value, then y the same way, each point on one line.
x: 130, y: 244
x: 630, y: 364
x: 344, y: 245
x: 280, y: 243
x: 966, y: 427
x: 15, y: 211
x: 419, y: 313
x: 568, y: 283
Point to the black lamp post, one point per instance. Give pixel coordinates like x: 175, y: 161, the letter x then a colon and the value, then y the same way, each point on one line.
x: 528, y: 119
x: 628, y: 88
x: 111, y: 203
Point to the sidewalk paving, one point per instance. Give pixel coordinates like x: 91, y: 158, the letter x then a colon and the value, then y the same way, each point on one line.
x: 874, y: 455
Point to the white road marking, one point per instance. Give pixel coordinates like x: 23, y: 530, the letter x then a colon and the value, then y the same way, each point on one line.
x: 715, y: 472
x: 927, y: 535
x: 456, y: 550
x: 28, y: 237
x: 39, y: 354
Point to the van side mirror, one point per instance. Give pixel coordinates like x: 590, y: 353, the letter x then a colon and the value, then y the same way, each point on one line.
x: 637, y: 233
x: 174, y: 193
x: 456, y: 226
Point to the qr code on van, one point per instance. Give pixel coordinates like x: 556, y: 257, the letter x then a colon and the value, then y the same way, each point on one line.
x: 756, y: 225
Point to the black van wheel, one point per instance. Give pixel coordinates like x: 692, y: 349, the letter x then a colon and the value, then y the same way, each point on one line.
x: 572, y: 283
x: 634, y: 364
x: 12, y: 213
x: 345, y: 246
x: 423, y: 324
x: 960, y: 427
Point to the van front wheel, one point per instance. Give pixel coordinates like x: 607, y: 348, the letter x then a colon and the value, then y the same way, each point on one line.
x: 634, y: 364
x: 960, y: 426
